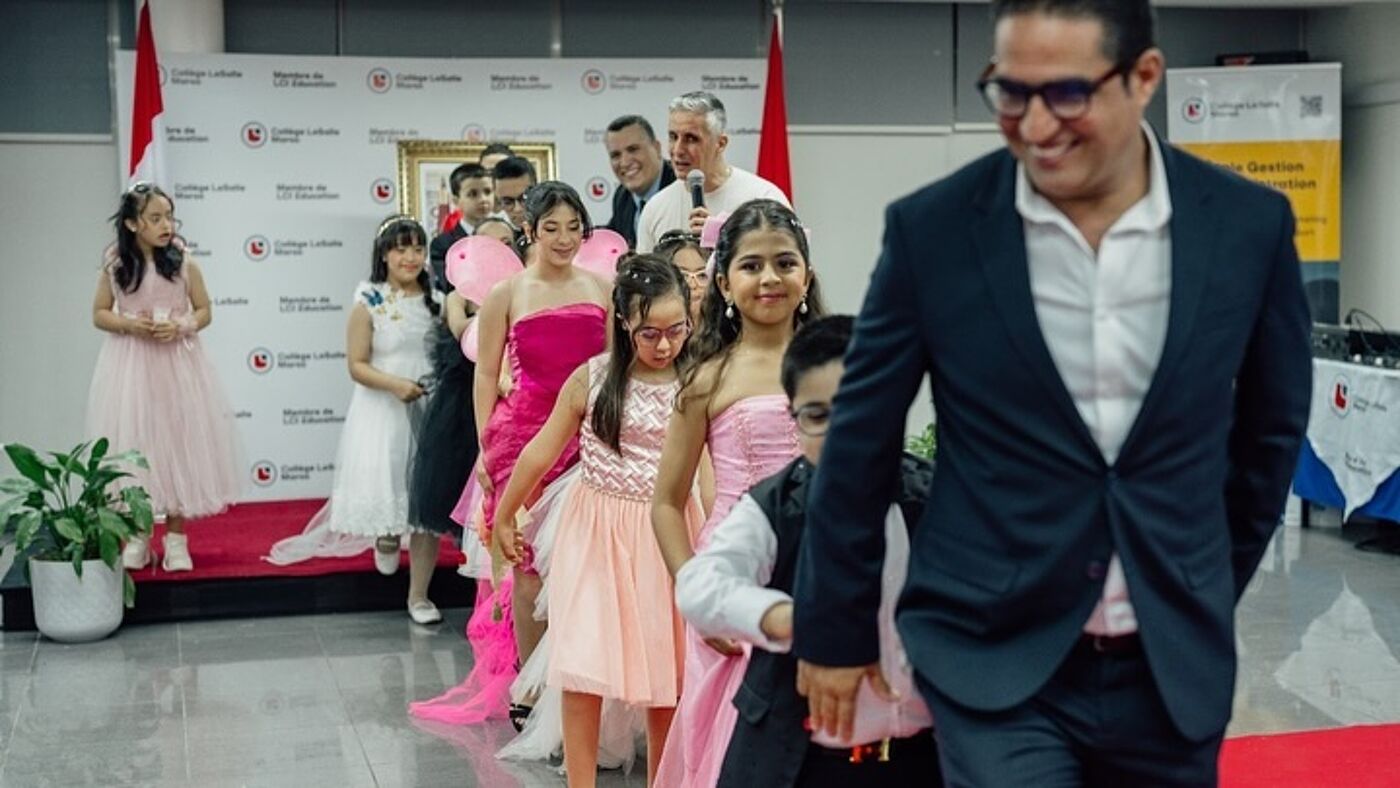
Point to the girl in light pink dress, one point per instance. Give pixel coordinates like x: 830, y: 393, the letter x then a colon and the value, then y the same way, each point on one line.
x: 153, y: 389
x: 732, y: 403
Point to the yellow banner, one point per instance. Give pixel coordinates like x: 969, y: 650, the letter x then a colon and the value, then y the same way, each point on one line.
x: 1308, y: 172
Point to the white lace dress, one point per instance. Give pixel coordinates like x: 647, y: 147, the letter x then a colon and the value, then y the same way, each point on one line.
x: 369, y: 496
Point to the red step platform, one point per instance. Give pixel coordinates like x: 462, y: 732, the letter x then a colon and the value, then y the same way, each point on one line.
x: 231, y: 579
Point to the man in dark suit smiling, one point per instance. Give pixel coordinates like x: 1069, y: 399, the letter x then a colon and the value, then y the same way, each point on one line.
x: 1117, y: 341
x: 634, y: 154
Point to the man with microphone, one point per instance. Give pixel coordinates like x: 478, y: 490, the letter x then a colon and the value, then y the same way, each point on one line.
x: 705, y: 183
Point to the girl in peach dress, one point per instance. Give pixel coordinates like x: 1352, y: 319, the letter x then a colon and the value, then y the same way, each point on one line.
x: 615, y: 632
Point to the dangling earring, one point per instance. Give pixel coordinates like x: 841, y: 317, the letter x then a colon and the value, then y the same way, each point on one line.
x: 802, y: 307
x: 729, y: 310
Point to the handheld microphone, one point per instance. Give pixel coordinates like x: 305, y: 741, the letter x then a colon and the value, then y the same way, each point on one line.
x: 695, y: 181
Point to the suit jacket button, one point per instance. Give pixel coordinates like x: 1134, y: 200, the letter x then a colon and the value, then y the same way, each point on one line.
x: 1096, y: 570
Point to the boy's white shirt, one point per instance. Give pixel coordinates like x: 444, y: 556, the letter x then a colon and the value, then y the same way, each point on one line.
x: 721, y: 592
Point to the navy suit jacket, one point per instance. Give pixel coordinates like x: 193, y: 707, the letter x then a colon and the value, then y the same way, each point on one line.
x: 624, y: 208
x: 1024, y: 513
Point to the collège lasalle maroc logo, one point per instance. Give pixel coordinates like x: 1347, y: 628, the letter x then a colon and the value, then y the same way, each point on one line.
x: 593, y: 81
x: 261, y: 361
x: 1340, y: 399
x: 382, y: 190
x: 1193, y: 110
x: 379, y: 80
x: 597, y: 189
x: 264, y: 473
x: 257, y: 248
x: 253, y: 134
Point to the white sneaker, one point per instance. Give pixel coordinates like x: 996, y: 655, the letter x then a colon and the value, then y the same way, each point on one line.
x: 137, y: 553
x: 177, y: 554
x: 424, y: 612
x: 386, y: 560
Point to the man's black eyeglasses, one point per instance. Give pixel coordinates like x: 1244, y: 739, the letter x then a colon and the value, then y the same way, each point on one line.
x: 1067, y: 99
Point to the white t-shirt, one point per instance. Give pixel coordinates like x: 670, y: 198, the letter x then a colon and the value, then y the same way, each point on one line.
x: 670, y: 208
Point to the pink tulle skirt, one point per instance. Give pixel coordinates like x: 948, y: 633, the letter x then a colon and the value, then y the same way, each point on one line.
x: 485, y: 693
x: 611, y: 601
x: 164, y: 400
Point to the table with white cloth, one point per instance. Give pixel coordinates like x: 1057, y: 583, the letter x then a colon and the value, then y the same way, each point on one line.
x: 1352, y: 452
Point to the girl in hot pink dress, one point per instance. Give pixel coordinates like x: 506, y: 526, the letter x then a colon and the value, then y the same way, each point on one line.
x: 153, y: 389
x: 544, y: 322
x: 732, y: 402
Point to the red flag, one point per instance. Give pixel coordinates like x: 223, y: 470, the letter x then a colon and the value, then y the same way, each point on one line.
x: 773, y: 139
x: 146, y: 107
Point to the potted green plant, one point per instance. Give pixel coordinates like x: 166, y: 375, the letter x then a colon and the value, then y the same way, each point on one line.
x: 925, y: 444
x: 69, y: 521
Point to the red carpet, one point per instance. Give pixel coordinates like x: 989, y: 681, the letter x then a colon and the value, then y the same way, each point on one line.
x: 232, y: 545
x: 1357, y: 757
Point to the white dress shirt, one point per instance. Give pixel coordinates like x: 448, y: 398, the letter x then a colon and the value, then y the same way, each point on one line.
x: 1104, y: 320
x: 721, y: 592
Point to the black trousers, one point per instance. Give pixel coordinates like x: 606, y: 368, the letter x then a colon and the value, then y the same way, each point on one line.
x: 915, y: 764
x: 1099, y: 721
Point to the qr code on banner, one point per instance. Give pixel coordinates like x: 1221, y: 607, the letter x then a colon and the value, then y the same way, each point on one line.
x: 1311, y: 107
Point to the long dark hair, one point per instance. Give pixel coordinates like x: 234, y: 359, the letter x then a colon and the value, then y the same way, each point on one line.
x: 396, y: 232
x: 719, y: 332
x: 641, y: 280
x: 130, y: 264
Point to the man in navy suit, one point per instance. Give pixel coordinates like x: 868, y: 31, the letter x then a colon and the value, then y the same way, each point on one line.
x: 1117, y: 341
x: 634, y: 154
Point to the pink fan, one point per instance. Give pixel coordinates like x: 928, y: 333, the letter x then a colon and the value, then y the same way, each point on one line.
x: 475, y: 264
x: 709, y: 234
x: 600, y: 252
x: 471, y: 339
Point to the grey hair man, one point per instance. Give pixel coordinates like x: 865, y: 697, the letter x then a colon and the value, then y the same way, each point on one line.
x: 697, y: 140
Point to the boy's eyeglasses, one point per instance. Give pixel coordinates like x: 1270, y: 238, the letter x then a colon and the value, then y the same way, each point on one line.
x: 813, y: 419
x: 650, y: 336
x: 1066, y: 99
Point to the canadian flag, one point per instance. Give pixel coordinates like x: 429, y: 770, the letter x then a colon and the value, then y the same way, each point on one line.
x: 147, y: 128
x: 773, y: 138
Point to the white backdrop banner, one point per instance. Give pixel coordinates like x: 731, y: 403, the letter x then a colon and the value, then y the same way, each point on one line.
x: 283, y: 166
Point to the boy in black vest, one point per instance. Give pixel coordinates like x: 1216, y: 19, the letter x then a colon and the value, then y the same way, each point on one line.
x: 739, y: 586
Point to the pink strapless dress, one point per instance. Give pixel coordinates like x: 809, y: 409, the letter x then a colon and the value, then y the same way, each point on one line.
x: 543, y: 349
x: 750, y: 441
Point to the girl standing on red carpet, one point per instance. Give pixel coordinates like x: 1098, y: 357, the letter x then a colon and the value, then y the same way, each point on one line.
x: 153, y: 389
x: 387, y: 352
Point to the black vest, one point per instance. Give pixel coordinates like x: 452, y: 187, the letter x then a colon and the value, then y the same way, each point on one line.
x: 769, y: 742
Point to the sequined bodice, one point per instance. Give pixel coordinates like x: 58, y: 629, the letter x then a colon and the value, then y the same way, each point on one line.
x: 645, y: 414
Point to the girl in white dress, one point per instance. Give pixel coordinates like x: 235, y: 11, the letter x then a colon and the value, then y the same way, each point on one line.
x: 387, y: 353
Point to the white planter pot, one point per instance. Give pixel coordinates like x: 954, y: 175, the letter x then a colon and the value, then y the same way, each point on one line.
x: 72, y: 609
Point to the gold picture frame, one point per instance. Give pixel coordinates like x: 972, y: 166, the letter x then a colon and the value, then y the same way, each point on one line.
x: 424, y: 167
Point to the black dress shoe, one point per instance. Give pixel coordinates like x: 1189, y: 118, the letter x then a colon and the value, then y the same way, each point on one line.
x: 518, y: 714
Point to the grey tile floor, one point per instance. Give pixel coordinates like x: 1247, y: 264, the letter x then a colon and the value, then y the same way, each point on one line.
x: 320, y: 700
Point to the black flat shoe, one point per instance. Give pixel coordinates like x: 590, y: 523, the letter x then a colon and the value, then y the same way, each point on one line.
x: 518, y: 714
